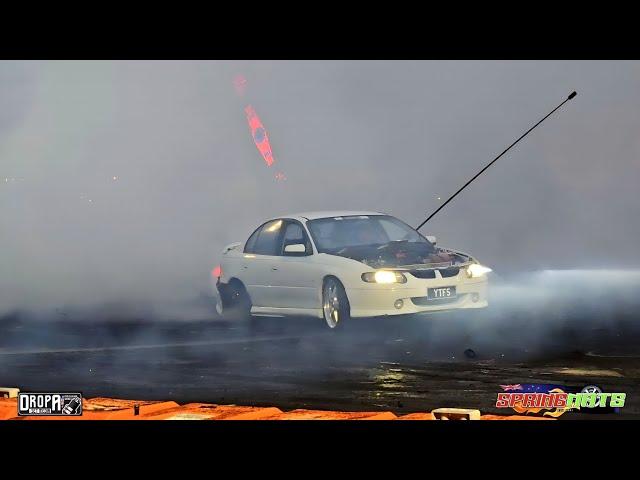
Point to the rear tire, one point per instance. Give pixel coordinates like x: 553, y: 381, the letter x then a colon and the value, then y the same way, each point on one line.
x: 335, y: 304
x: 234, y: 302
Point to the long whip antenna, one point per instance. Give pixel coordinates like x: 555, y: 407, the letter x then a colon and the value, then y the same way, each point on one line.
x: 573, y: 94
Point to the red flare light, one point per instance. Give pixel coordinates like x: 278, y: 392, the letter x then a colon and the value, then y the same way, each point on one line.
x: 259, y: 135
x: 216, y: 272
x: 258, y: 132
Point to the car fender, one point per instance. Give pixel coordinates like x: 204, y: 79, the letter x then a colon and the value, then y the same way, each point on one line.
x: 347, y: 270
x: 230, y: 264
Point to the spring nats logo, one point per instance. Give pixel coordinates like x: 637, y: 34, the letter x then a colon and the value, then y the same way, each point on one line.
x: 555, y: 400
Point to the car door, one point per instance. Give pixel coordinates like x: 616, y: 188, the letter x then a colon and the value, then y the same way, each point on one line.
x: 296, y: 277
x: 258, y: 263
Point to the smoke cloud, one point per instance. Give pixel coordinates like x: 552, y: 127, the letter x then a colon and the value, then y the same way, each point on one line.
x: 122, y: 181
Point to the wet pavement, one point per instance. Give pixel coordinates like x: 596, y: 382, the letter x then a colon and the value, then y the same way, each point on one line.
x: 403, y: 364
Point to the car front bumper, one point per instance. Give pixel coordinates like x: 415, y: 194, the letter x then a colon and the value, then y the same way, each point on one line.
x: 373, y: 300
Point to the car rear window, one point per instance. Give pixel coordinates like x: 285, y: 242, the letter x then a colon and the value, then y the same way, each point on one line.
x: 268, y: 239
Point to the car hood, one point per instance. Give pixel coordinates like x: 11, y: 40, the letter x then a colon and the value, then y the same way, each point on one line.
x: 404, y: 256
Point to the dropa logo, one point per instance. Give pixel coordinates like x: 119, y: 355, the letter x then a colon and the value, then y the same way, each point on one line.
x: 532, y: 398
x: 49, y: 404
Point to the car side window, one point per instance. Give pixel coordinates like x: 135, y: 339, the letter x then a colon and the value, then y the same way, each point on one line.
x: 269, y: 238
x: 294, y: 234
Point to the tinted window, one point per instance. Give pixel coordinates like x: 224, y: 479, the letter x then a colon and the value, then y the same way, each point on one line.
x: 396, y: 230
x: 294, y: 233
x: 251, y: 243
x: 334, y: 234
x: 268, y: 241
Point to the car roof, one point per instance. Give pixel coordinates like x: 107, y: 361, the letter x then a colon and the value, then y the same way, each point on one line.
x: 329, y: 214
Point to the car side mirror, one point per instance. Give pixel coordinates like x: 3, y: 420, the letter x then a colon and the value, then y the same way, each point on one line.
x: 295, y: 248
x: 431, y: 238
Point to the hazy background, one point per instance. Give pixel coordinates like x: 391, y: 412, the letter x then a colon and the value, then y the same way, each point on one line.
x: 122, y: 181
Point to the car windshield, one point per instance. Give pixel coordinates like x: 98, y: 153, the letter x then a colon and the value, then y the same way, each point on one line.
x: 332, y: 235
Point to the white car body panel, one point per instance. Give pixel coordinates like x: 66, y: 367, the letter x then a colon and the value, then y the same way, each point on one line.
x: 291, y: 285
x: 298, y: 281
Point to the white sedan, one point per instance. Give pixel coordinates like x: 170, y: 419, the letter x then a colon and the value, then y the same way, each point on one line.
x: 338, y: 265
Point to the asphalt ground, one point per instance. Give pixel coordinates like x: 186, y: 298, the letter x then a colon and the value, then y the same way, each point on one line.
x: 402, y: 364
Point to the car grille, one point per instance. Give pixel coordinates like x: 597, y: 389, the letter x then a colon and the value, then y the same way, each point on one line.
x: 431, y: 273
x: 449, y: 272
x: 425, y: 302
x: 423, y: 273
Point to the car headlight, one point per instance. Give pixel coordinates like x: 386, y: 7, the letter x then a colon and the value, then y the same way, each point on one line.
x: 384, y: 276
x: 476, y: 270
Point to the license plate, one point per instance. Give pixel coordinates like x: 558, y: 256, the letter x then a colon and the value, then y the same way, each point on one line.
x: 441, y: 292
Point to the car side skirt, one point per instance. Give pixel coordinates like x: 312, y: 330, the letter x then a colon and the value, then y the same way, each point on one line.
x: 286, y: 312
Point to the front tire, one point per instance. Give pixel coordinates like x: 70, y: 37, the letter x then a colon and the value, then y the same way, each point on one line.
x: 335, y: 304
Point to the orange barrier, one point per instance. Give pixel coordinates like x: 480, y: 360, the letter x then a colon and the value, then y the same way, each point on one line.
x: 114, y: 409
